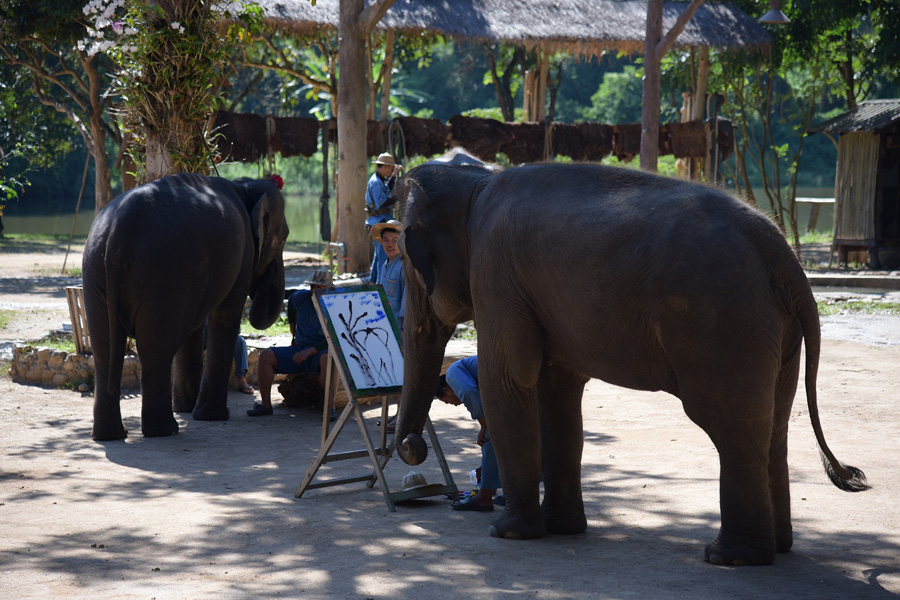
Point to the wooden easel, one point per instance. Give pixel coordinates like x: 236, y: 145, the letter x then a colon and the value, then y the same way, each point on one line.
x: 378, y: 455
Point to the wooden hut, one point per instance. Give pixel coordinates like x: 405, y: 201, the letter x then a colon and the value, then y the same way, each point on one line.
x: 573, y: 26
x: 578, y: 28
x: 867, y: 182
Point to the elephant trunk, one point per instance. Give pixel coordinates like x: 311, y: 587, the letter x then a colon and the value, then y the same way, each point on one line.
x: 424, y: 340
x: 268, y: 296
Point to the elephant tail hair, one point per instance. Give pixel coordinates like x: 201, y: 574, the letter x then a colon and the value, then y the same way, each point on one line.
x: 844, y: 477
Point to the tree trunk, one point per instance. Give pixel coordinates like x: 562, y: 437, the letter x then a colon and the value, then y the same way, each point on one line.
x: 702, y: 79
x: 352, y: 171
x: 387, y: 68
x: 501, y: 82
x: 655, y: 47
x: 650, y: 99
x: 103, y: 193
x: 158, y: 159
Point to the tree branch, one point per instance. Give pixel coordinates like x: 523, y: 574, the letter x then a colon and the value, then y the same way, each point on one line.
x: 666, y: 42
x: 370, y: 15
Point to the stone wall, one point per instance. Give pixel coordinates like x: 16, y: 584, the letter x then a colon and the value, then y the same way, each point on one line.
x: 54, y: 368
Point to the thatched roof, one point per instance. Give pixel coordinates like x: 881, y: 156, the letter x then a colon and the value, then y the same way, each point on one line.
x: 871, y: 115
x: 579, y: 27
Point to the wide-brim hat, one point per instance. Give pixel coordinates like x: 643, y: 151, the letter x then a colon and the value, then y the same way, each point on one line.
x: 377, y: 228
x: 414, y: 480
x: 320, y: 277
x: 385, y: 158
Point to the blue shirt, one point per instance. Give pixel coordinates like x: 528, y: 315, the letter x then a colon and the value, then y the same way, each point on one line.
x: 379, y: 259
x: 307, y: 327
x: 390, y: 277
x: 377, y: 193
x: 462, y: 377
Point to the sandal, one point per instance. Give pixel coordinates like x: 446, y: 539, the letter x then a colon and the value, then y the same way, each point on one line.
x: 245, y: 389
x: 467, y: 504
x: 259, y: 410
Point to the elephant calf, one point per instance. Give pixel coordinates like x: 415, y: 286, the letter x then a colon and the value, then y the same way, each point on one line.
x: 580, y: 271
x: 161, y: 261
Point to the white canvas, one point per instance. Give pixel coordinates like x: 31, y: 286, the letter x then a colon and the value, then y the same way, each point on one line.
x: 366, y: 339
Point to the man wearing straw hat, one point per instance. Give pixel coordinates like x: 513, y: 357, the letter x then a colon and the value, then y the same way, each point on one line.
x: 378, y: 190
x: 308, y: 350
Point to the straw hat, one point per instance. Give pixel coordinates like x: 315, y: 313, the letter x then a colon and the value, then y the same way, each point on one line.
x: 414, y: 480
x: 320, y: 277
x: 377, y: 228
x: 385, y: 158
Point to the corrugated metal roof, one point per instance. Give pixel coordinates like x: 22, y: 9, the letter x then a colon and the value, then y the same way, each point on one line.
x: 871, y: 115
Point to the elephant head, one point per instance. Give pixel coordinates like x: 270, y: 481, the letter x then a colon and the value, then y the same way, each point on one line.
x: 270, y: 231
x: 438, y: 197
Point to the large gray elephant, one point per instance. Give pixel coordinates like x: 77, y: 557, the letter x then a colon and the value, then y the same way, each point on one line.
x: 580, y: 271
x: 161, y: 261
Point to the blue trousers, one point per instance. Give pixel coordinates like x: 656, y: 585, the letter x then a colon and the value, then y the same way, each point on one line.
x: 240, y: 357
x: 490, y: 472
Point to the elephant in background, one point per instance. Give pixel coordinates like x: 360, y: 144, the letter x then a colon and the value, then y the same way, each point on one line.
x: 160, y: 261
x: 579, y: 271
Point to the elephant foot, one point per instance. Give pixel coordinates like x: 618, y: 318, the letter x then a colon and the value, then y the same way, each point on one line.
x: 159, y: 429
x: 515, y: 528
x: 738, y: 555
x: 564, y: 522
x: 105, y: 433
x: 180, y: 405
x: 205, y: 412
x: 784, y: 542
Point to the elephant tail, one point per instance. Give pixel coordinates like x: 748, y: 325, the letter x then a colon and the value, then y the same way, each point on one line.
x: 845, y: 477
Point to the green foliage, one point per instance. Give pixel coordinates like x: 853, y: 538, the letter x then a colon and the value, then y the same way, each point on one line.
x: 857, y: 307
x: 453, y: 81
x: 618, y: 99
x: 302, y: 176
x: 666, y: 166
x: 281, y: 327
x: 170, y: 62
x: 75, y: 384
x: 491, y: 113
x: 5, y: 317
x: 817, y: 237
x: 40, y: 63
x: 64, y: 343
x: 466, y: 331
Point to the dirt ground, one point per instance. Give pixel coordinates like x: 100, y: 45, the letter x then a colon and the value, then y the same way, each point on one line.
x: 211, y: 513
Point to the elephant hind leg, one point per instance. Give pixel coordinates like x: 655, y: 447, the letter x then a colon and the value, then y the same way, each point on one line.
x: 562, y: 442
x: 107, y: 374
x: 779, y: 480
x: 157, y: 419
x: 742, y: 430
x: 747, y: 533
x: 188, y: 372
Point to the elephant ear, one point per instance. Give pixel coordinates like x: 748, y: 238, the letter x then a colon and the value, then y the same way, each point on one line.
x: 415, y: 241
x: 260, y: 221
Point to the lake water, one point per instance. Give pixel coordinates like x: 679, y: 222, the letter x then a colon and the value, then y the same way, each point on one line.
x: 303, y: 217
x: 302, y: 214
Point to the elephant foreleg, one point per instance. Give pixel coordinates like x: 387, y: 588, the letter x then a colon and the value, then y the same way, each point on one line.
x: 511, y: 410
x: 188, y: 371
x: 562, y: 442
